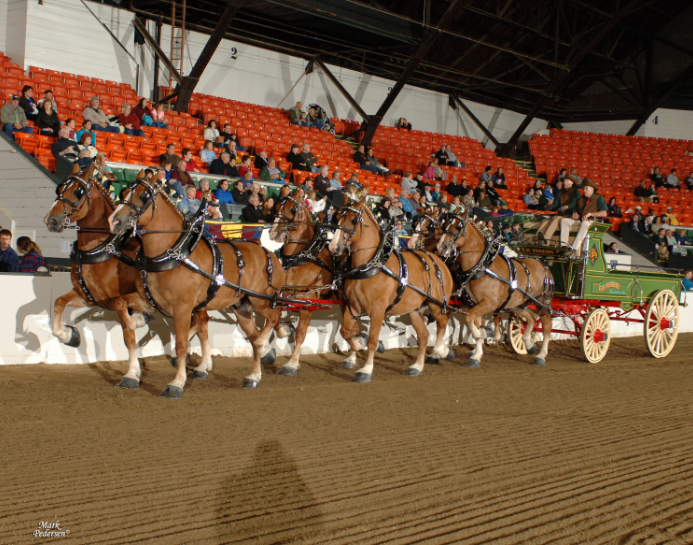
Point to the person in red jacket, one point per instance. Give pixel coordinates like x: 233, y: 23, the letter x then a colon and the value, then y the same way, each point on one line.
x: 130, y: 121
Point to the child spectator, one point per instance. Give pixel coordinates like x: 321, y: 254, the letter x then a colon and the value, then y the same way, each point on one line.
x: 33, y: 259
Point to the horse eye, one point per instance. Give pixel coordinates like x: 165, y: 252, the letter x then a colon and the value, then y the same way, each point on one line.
x: 145, y: 195
x: 78, y: 192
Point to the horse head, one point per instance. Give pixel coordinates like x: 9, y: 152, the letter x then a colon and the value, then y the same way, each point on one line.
x: 425, y: 227
x: 292, y: 219
x: 136, y: 208
x: 75, y: 199
x: 454, y: 233
x: 350, y: 221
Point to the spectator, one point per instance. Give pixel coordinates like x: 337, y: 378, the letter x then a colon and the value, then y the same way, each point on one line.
x: 294, y: 157
x: 86, y: 127
x: 562, y: 174
x: 591, y: 205
x: 671, y: 239
x: 656, y: 177
x: 232, y: 150
x: 239, y: 194
x: 647, y: 224
x: 313, y: 119
x: 213, y: 230
x: 486, y: 176
x: 416, y: 203
x: 499, y: 178
x: 190, y: 204
x: 484, y: 201
x: 575, y: 175
x: 252, y: 213
x: 687, y: 280
x: 170, y: 156
x: 508, y: 233
x: 223, y: 166
x: 207, y: 153
x: 504, y: 210
x: 222, y: 193
x: 297, y: 116
x: 453, y: 161
x: 47, y: 120
x: 163, y: 179
x: 268, y: 214
x: 204, y: 192
x: 166, y: 167
x: 322, y: 182
x: 491, y: 228
x: 406, y: 203
x: 660, y: 223
x: 47, y: 96
x: 28, y: 104
x: 456, y: 205
x: 159, y: 116
x: 689, y: 181
x: 652, y: 194
x: 248, y: 179
x: 642, y: 193
x: 143, y: 112
x: 335, y: 182
x: 439, y: 173
x: 403, y: 124
x: 129, y: 121
x: 660, y: 236
x: 481, y: 186
x: 212, y: 133
x: 442, y: 156
x: 530, y: 200
x: 681, y: 238
x: 271, y: 173
x: 229, y: 136
x: 396, y: 209
x: 315, y: 203
x: 429, y: 195
x: 181, y: 174
x: 191, y: 164
x: 614, y: 209
x: 103, y: 168
x: 64, y: 147
x: 382, y: 211
x: 261, y: 159
x: 85, y: 144
x: 673, y: 181
x: 33, y: 259
x: 71, y: 124
x: 245, y: 165
x: 493, y: 194
x: 429, y: 172
x: 663, y: 251
x: 400, y: 232
x: 407, y: 183
x: 308, y: 159
x: 457, y: 190
x: 670, y: 216
x: 13, y: 118
x: 611, y: 248
x: 99, y: 120
x: 148, y: 174
x: 9, y: 262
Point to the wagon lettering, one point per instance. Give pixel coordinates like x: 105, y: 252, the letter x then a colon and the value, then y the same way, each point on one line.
x: 610, y: 285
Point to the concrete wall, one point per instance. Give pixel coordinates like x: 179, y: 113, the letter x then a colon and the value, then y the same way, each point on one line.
x: 663, y: 123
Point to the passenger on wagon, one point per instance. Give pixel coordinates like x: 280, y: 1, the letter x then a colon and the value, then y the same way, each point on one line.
x: 591, y: 205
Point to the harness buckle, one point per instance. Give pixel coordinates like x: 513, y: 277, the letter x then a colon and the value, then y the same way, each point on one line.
x: 220, y: 280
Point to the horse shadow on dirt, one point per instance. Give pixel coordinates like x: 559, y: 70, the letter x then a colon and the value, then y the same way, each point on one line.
x: 268, y: 502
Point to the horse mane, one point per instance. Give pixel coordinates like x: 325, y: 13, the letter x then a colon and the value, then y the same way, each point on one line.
x: 173, y: 205
x: 97, y: 183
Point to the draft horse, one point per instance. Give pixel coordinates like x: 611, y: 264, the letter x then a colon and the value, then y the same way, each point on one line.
x: 103, y: 272
x: 427, y: 230
x: 489, y: 282
x: 182, y: 276
x: 385, y: 281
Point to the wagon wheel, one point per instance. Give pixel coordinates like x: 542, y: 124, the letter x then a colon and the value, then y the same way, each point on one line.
x: 514, y: 331
x: 662, y: 323
x: 596, y: 335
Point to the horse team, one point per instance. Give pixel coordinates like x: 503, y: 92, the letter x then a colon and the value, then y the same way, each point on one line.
x: 141, y: 255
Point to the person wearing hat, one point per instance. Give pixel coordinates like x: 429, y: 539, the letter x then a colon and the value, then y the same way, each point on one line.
x: 671, y: 217
x: 99, y: 120
x: 591, y: 205
x: 431, y: 196
x: 261, y: 158
x: 13, y: 118
x: 564, y: 205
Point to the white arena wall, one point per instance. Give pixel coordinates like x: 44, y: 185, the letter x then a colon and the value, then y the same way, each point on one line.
x: 663, y: 123
x: 26, y: 317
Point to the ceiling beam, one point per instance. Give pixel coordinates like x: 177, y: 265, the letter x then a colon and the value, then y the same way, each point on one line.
x: 476, y: 121
x: 351, y: 100
x: 142, y: 29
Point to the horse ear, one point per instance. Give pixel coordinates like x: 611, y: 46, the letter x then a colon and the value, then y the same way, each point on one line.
x: 362, y: 202
x: 140, y: 175
x: 75, y: 169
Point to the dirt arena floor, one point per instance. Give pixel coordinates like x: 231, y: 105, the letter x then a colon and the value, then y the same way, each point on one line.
x: 509, y: 453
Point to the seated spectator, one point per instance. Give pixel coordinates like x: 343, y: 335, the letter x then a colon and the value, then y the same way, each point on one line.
x: 457, y: 189
x: 416, y: 203
x: 272, y: 173
x: 48, y: 97
x: 614, y: 210
x: 406, y: 203
x: 395, y: 209
x: 491, y: 228
x: 687, y: 280
x: 166, y: 167
x: 71, y: 124
x: 260, y: 159
x: 315, y: 203
x: 498, y: 178
x: 642, y: 193
x: 673, y: 181
x: 169, y: 186
x: 223, y: 194
x: 400, y: 232
x: 382, y: 211
x: 159, y: 116
x: 99, y: 120
x: 403, y: 124
x: 504, y: 210
x: 28, y: 104
x: 671, y: 239
x: 211, y: 230
x: 170, y: 156
x: 268, y: 214
x: 689, y: 181
x: 681, y: 238
x: 297, y: 116
x: 484, y: 201
x: 670, y: 216
x: 372, y: 164
x: 647, y: 224
x: 86, y: 127
x: 495, y: 197
x: 143, y: 113
x: 429, y: 172
x: 239, y: 194
x: 322, y: 182
x: 252, y: 213
x: 190, y: 204
x: 453, y: 161
x: 657, y: 177
x: 481, y: 186
x: 129, y: 121
x: 442, y: 156
x: 486, y: 176
x: 148, y: 174
x: 64, y: 147
x: 9, y: 261
x: 85, y: 144
x: 660, y: 236
x: 231, y: 149
x: 84, y: 159
x: 192, y: 166
x: 230, y: 136
x: 407, y: 183
x: 509, y: 233
x: 204, y: 192
x: 212, y: 134
x: 313, y: 119
x: 103, y: 168
x: 223, y: 166
x: 207, y: 153
x: 47, y: 120
x: 181, y: 174
x: 245, y: 165
x: 335, y: 182
x: 294, y: 157
x: 611, y: 248
x: 429, y: 195
x: 248, y: 179
x: 308, y: 159
x: 530, y: 200
x: 13, y: 118
x: 33, y: 259
x: 663, y: 251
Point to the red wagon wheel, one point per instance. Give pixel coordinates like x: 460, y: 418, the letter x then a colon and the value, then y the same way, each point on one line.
x: 596, y: 335
x: 662, y: 323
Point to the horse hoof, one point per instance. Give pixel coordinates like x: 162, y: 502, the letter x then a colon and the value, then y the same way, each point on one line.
x: 432, y: 360
x: 129, y: 383
x: 287, y: 371
x: 381, y: 347
x: 292, y: 330
x: 412, y: 372
x: 472, y: 363
x: 533, y: 350
x: 148, y: 318
x: 174, y: 360
x: 361, y: 377
x: 199, y: 375
x: 538, y: 361
x: 249, y: 383
x: 75, y: 338
x: 451, y: 355
x: 172, y: 392
x: 346, y: 364
x: 269, y: 358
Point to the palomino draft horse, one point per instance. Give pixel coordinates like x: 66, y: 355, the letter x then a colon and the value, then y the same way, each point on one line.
x: 491, y: 282
x: 308, y: 264
x: 384, y: 281
x: 184, y: 276
x: 103, y: 272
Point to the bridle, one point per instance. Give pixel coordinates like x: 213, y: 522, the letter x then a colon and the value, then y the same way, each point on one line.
x: 85, y: 186
x: 148, y: 196
x: 294, y: 221
x: 432, y: 225
x: 450, y: 220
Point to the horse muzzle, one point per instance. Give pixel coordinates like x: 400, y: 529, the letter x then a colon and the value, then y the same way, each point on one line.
x: 119, y: 221
x: 54, y: 224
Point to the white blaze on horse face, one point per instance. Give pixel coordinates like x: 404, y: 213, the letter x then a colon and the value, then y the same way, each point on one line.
x: 112, y: 216
x: 333, y: 245
x: 273, y: 230
x: 412, y: 241
x: 441, y: 246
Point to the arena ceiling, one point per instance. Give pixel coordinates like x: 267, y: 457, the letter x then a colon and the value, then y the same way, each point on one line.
x: 561, y: 60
